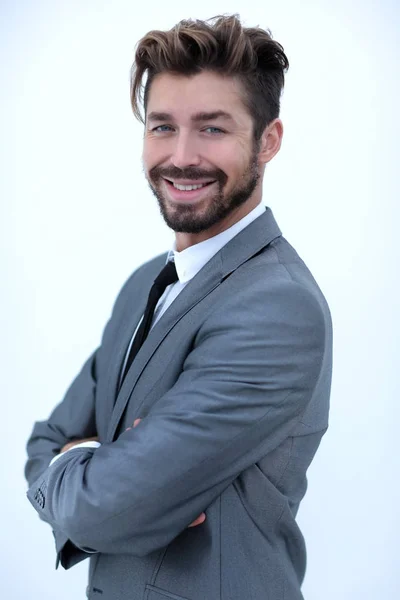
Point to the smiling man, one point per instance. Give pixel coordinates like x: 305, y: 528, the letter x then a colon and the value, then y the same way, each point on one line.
x: 177, y: 460
x: 212, y: 167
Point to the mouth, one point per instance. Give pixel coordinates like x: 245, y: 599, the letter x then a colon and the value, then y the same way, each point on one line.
x: 188, y: 191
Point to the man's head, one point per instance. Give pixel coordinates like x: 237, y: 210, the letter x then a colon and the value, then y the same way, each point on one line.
x: 211, y: 99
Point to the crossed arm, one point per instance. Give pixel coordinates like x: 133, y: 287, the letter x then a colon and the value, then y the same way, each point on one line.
x: 200, y: 519
x: 241, y: 393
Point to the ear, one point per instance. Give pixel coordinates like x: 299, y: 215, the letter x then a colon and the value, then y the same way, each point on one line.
x: 271, y: 140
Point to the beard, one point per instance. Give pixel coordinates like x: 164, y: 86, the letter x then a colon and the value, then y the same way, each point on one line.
x: 187, y: 218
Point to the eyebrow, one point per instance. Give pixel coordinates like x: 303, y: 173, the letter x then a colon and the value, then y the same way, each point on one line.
x: 196, y: 118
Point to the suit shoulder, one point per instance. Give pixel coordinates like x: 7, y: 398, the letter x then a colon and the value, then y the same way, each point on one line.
x: 280, y: 265
x: 276, y: 280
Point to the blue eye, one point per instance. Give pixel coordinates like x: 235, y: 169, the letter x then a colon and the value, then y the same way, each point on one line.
x: 162, y: 128
x: 215, y: 130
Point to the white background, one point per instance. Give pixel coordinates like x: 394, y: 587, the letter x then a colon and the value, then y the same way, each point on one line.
x: 77, y: 218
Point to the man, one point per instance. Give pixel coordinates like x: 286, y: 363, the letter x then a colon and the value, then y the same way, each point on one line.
x: 179, y: 453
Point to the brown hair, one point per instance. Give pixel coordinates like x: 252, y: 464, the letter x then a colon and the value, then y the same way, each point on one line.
x: 221, y: 45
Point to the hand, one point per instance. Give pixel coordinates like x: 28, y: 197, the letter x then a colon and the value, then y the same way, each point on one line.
x: 75, y: 442
x: 202, y: 517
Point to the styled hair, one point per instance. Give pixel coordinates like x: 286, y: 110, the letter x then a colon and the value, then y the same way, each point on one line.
x: 221, y: 45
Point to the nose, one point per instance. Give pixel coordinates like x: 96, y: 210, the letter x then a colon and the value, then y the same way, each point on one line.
x: 185, y: 152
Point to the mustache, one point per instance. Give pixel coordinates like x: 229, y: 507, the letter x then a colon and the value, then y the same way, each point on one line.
x: 194, y: 173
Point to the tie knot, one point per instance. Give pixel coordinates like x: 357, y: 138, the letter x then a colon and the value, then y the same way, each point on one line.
x: 167, y: 276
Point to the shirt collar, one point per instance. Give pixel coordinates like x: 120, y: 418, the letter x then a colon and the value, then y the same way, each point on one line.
x: 189, y: 262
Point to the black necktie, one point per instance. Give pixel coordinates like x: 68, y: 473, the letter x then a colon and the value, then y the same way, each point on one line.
x: 167, y: 276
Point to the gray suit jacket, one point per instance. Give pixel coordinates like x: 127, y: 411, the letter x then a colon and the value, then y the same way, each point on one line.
x: 232, y: 385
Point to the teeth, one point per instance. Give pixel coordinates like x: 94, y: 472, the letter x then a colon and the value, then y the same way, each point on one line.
x: 188, y: 188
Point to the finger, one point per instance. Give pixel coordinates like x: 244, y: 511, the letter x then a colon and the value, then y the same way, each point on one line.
x: 136, y: 422
x: 200, y: 519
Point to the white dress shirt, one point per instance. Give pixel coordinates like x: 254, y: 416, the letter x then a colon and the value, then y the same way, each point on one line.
x: 188, y: 263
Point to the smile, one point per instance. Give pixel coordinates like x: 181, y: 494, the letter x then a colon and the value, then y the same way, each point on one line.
x: 188, y: 188
x: 186, y: 191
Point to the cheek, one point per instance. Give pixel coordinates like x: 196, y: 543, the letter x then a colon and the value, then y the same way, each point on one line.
x: 233, y: 166
x: 152, y: 154
x: 231, y: 158
x: 147, y: 157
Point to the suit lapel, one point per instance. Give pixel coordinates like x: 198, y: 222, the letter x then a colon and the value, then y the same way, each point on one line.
x: 243, y: 246
x: 199, y: 287
x: 132, y: 313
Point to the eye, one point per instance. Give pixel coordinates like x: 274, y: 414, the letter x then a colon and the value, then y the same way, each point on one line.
x: 214, y: 130
x: 162, y: 128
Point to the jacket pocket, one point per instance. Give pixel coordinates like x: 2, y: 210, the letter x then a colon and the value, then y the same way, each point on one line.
x: 155, y: 593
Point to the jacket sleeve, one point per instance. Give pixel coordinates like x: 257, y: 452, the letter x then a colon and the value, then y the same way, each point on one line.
x: 243, y: 388
x: 73, y: 418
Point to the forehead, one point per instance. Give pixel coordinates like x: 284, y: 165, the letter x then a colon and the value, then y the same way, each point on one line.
x: 185, y: 96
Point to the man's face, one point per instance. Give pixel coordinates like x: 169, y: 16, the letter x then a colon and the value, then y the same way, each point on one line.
x: 199, y: 155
